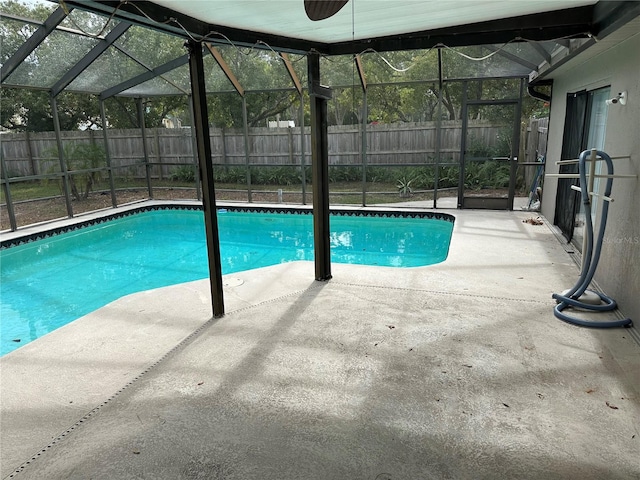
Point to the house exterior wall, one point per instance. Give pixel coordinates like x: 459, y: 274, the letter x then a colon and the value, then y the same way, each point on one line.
x: 618, y: 273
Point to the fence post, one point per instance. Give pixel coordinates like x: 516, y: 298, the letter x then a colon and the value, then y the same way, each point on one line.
x: 223, y: 139
x: 32, y: 162
x: 290, y: 136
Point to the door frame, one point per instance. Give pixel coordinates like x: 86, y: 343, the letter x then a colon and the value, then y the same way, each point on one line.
x: 492, y: 203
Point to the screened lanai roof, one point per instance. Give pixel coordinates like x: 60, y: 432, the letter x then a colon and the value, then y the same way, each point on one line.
x: 136, y: 49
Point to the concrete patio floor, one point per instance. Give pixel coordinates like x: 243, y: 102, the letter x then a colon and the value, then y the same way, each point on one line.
x: 453, y: 371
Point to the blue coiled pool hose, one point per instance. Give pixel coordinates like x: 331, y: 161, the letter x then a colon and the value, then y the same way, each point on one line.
x: 591, y: 256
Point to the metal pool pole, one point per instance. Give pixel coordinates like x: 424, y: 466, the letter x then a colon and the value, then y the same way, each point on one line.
x: 203, y: 143
x: 318, y: 96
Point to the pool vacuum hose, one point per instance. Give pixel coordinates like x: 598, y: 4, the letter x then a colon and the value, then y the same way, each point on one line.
x: 572, y: 296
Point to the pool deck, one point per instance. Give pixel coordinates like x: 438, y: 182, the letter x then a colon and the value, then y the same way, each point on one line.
x: 453, y: 371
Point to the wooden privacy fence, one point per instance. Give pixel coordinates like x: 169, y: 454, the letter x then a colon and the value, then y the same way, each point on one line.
x: 30, y: 154
x: 535, y: 146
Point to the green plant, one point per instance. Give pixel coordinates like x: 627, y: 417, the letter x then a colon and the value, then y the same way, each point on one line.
x: 376, y: 174
x: 448, y: 177
x: 424, y: 177
x: 472, y: 178
x: 488, y: 174
x: 81, y: 161
x: 344, y: 174
x: 184, y: 173
x: 271, y: 175
x: 477, y: 147
x: 230, y: 174
x: 404, y: 187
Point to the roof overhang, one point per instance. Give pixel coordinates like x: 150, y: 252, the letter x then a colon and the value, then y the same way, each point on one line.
x: 565, y: 59
x: 617, y: 22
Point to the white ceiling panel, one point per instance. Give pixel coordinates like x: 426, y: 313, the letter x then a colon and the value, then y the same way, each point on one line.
x: 359, y: 19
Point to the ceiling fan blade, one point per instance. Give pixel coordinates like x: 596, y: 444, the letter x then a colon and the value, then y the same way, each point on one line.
x: 322, y: 9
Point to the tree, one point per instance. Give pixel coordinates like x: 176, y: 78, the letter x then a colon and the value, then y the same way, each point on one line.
x: 82, y: 157
x: 29, y: 108
x: 256, y: 72
x: 410, y: 92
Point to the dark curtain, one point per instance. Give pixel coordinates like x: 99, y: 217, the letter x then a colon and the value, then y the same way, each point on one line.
x: 573, y: 140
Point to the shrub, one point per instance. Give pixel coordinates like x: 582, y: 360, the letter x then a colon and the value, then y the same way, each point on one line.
x: 184, y: 173
x: 344, y: 174
x: 80, y: 157
x: 230, y: 174
x: 404, y: 187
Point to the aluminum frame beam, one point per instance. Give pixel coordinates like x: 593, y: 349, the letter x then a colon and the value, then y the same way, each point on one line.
x: 319, y: 95
x: 546, y: 56
x: 107, y: 152
x: 291, y: 72
x: 145, y: 146
x: 203, y: 144
x: 215, y: 53
x: 514, y: 58
x: 32, y: 43
x: 89, y: 58
x: 62, y: 161
x: 144, y: 77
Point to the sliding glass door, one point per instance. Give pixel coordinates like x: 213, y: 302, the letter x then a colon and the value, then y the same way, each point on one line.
x: 584, y: 129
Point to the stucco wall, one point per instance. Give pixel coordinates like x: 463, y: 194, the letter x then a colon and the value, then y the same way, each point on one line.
x: 619, y: 269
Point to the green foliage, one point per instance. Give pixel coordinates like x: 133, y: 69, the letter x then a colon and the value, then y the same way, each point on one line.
x: 257, y: 71
x: 230, y: 174
x: 477, y: 147
x: 282, y: 175
x: 415, y: 178
x: 404, y: 187
x: 123, y: 112
x: 448, y: 176
x: 184, y: 173
x: 80, y: 160
x: 344, y: 173
x: 24, y: 109
x: 376, y: 174
x: 487, y: 174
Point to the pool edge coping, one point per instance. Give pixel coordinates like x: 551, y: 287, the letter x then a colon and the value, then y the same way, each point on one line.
x: 55, y: 227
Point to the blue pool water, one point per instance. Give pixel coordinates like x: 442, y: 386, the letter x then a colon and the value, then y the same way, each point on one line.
x: 49, y: 283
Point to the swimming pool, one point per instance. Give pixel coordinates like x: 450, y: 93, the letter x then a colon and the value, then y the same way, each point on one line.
x: 50, y: 282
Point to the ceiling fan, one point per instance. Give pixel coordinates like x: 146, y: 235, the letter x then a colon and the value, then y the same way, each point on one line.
x: 323, y: 9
